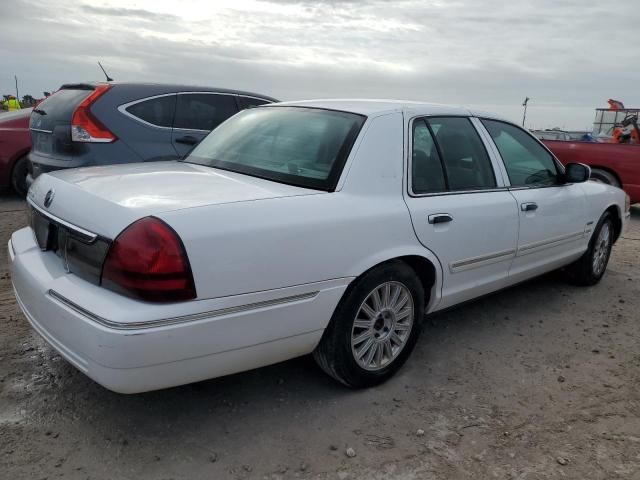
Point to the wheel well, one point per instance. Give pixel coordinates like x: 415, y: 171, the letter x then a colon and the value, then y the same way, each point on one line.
x: 617, y: 220
x: 608, y: 170
x: 425, y: 271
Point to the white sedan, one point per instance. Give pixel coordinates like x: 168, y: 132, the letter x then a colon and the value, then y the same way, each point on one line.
x: 329, y: 227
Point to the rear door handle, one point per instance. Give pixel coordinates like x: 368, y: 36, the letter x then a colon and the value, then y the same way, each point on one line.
x: 440, y: 218
x: 189, y: 140
x: 528, y: 206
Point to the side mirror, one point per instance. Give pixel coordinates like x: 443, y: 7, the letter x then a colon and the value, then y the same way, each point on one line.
x: 576, y: 173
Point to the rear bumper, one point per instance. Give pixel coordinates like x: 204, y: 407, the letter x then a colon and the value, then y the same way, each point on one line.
x: 130, y: 353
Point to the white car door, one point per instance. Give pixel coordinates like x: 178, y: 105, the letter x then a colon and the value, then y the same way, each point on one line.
x: 553, y: 224
x: 460, y: 207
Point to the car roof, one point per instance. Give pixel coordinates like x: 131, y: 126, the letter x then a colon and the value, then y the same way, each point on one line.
x: 169, y: 87
x: 374, y: 107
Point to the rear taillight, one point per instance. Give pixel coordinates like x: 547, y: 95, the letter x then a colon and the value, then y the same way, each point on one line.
x: 87, y: 128
x: 148, y: 261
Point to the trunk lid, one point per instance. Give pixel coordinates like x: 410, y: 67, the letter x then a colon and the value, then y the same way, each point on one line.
x: 105, y: 200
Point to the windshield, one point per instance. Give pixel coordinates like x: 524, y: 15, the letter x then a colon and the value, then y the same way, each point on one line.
x: 299, y: 146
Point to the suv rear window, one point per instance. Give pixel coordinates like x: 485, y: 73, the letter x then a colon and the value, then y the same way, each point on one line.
x: 299, y: 146
x: 58, y: 108
x: 157, y: 111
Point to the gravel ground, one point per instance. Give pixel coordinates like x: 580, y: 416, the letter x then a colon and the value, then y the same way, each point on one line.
x: 539, y: 381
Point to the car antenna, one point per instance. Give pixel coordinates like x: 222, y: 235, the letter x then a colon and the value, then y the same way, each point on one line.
x: 109, y: 79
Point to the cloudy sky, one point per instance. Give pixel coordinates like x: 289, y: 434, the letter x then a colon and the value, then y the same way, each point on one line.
x: 569, y: 56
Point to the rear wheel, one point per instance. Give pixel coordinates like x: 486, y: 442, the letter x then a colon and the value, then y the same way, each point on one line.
x: 19, y: 176
x: 374, y: 328
x: 603, y: 176
x: 589, y: 269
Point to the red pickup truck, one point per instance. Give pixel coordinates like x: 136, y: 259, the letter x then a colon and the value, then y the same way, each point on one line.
x: 612, y: 163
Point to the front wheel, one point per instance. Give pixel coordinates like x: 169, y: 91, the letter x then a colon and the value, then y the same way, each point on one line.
x: 589, y: 269
x: 374, y: 328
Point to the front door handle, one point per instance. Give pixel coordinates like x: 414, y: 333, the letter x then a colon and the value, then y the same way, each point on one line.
x: 188, y: 139
x: 440, y: 218
x: 528, y: 206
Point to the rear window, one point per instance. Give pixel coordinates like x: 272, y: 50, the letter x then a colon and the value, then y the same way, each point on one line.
x: 59, y: 107
x: 299, y: 146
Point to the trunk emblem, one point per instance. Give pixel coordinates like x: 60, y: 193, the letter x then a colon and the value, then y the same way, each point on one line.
x: 48, y: 198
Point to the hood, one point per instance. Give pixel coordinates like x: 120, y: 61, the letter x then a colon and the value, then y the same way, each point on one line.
x: 106, y: 199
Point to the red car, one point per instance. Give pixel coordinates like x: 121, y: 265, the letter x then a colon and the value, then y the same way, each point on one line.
x: 612, y: 163
x: 15, y: 144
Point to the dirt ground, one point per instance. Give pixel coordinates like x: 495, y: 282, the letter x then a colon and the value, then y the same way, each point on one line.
x: 540, y: 381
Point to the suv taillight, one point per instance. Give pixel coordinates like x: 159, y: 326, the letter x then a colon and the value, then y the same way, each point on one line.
x: 148, y: 261
x: 87, y: 128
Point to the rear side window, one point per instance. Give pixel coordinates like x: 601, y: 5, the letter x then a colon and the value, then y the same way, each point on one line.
x: 156, y: 111
x: 196, y: 111
x: 250, y: 102
x: 448, y: 155
x: 526, y: 161
x: 427, y: 174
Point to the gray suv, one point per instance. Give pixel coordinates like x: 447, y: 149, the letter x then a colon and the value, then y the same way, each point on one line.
x: 103, y: 123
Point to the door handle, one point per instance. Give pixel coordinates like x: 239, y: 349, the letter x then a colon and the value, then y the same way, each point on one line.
x: 439, y: 218
x: 528, y: 206
x: 188, y: 140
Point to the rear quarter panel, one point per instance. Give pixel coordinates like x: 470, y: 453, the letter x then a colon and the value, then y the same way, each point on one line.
x: 274, y: 243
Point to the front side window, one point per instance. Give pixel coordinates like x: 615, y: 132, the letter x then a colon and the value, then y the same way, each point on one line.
x: 156, y: 111
x: 448, y: 155
x: 200, y: 111
x: 528, y: 164
x: 300, y: 146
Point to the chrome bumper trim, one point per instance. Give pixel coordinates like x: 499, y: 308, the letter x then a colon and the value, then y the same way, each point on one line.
x: 182, y: 319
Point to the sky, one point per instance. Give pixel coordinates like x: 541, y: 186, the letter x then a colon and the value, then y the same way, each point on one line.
x: 568, y: 56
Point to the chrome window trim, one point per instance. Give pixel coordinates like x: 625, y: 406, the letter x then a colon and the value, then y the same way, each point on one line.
x: 181, y: 319
x: 410, y: 191
x: 89, y: 236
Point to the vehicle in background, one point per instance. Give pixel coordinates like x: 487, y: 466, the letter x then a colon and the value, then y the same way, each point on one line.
x: 611, y: 163
x: 328, y: 226
x: 551, y: 134
x: 15, y: 144
x: 104, y: 123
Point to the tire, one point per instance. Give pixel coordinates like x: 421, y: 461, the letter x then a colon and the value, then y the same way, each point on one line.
x: 589, y: 269
x: 391, y: 328
x: 19, y: 176
x: 603, y: 176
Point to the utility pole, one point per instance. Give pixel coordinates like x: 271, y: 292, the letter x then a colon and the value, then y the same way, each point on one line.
x: 17, y: 93
x: 524, y: 115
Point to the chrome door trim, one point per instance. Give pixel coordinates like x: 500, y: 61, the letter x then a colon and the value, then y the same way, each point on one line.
x: 482, y: 260
x: 181, y: 319
x: 551, y: 242
x: 40, y: 130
